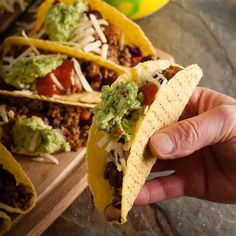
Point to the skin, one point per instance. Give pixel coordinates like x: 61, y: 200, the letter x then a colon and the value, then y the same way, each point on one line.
x: 201, y: 148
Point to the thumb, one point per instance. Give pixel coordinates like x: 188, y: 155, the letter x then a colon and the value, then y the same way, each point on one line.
x: 186, y: 136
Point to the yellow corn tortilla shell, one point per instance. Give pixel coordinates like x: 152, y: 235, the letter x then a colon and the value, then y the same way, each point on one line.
x: 6, y: 222
x: 86, y: 99
x: 12, y: 166
x: 170, y: 102
x: 47, y: 99
x: 132, y: 32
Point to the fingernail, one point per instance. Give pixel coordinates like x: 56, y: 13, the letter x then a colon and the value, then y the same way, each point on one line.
x: 162, y: 143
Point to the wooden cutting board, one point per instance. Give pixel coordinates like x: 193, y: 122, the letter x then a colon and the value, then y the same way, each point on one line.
x: 57, y: 187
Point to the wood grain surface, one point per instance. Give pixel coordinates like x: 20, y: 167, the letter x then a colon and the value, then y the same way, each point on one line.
x: 57, y: 186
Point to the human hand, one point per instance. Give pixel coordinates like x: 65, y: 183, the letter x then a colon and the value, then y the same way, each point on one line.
x: 201, y: 148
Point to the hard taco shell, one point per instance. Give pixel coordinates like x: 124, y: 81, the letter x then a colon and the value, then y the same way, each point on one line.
x: 11, y: 165
x: 167, y: 107
x: 5, y: 222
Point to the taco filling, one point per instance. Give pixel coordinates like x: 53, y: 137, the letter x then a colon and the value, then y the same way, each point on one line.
x: 42, y: 73
x: 37, y: 128
x: 9, y: 6
x: 13, y: 194
x: 79, y: 26
x: 121, y: 108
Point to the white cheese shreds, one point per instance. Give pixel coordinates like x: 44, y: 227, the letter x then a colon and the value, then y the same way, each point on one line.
x: 92, y: 46
x: 3, y: 113
x: 111, y: 146
x: 27, y: 38
x: 86, y: 33
x: 85, y: 41
x: 34, y: 140
x: 97, y: 50
x: 11, y: 114
x: 45, y: 158
x: 102, y: 141
x: 51, y: 158
x: 26, y: 92
x: 98, y: 28
x: 72, y: 78
x: 81, y: 76
x: 164, y: 82
x: 26, y: 53
x: 56, y: 82
x: 104, y: 51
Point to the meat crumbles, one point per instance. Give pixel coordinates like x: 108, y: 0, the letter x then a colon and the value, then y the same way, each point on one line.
x: 171, y: 71
x: 74, y: 121
x: 17, y: 196
x: 126, y: 55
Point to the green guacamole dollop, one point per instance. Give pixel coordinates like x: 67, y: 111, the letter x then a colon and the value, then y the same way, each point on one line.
x: 62, y: 18
x: 120, y: 107
x: 26, y: 71
x: 47, y: 140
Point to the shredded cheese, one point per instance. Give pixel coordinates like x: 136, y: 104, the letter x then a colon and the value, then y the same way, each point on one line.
x: 102, y: 141
x: 92, y: 46
x: 30, y: 43
x: 104, y: 51
x: 98, y: 28
x: 3, y: 113
x: 56, y: 82
x: 45, y: 157
x: 81, y: 76
x: 34, y: 140
x: 86, y: 33
x: 85, y: 41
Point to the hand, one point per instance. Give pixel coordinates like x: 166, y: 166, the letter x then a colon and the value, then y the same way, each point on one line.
x: 201, y: 148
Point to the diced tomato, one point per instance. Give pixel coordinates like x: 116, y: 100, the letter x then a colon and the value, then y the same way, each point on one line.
x: 64, y: 73
x: 46, y: 87
x: 85, y: 115
x: 118, y: 133
x: 149, y: 91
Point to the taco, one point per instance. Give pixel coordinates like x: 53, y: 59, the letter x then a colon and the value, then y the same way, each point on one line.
x: 5, y: 222
x: 39, y: 129
x: 95, y: 28
x: 143, y: 100
x: 46, y: 69
x: 17, y: 193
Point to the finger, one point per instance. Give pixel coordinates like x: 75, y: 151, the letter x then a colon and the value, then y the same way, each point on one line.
x: 161, y: 189
x: 204, y: 99
x: 186, y: 136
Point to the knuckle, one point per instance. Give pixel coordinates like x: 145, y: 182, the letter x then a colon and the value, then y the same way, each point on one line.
x: 228, y: 112
x: 188, y: 133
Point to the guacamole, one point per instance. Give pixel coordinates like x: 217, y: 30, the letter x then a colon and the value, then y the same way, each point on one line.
x: 120, y: 107
x: 32, y: 135
x: 27, y: 70
x: 62, y: 18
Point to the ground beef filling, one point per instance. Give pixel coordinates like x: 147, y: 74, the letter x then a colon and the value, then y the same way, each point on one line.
x: 17, y: 196
x: 129, y: 55
x: 113, y: 210
x: 72, y: 120
x: 97, y: 75
x: 171, y: 71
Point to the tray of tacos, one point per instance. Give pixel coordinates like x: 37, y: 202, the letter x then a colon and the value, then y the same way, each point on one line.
x: 54, y: 70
